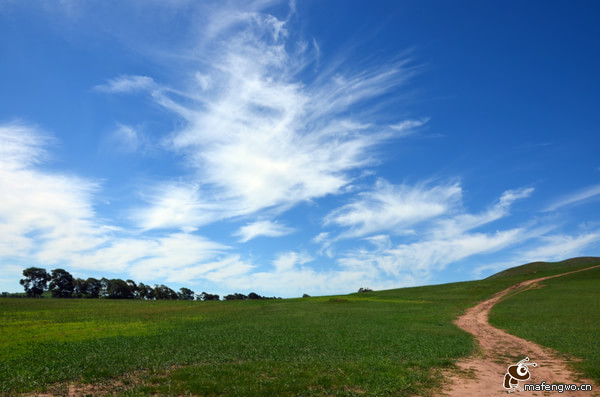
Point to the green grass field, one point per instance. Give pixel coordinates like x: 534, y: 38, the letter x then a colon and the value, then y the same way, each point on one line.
x: 392, y: 342
x: 566, y: 311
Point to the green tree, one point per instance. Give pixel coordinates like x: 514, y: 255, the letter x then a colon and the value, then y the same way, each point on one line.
x: 236, y: 296
x: 62, y: 284
x: 80, y: 288
x: 162, y: 292
x: 35, y: 281
x: 186, y: 294
x: 133, y: 289
x: 94, y: 287
x: 208, y: 297
x: 145, y: 292
x: 118, y: 289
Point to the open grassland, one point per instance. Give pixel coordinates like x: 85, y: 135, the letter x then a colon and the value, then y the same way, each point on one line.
x: 564, y: 314
x: 392, y: 342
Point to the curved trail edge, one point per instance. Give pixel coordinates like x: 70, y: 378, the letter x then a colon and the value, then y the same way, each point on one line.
x: 483, y: 375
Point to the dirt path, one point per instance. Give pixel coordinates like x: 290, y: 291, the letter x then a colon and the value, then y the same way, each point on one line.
x: 483, y: 373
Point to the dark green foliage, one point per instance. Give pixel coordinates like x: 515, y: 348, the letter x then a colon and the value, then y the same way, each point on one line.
x: 185, y: 294
x: 133, y: 288
x: 254, y: 296
x: 35, y: 281
x: 79, y: 288
x: 162, y: 292
x: 93, y: 287
x: 62, y: 284
x: 235, y: 297
x: 208, y: 297
x: 119, y: 289
x: 145, y: 292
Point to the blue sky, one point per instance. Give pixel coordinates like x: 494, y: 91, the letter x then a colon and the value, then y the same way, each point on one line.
x: 296, y: 147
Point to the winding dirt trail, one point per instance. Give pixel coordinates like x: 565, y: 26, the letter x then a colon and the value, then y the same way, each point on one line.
x: 483, y: 373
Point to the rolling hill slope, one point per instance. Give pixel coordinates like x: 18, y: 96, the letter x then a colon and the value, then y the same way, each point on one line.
x: 393, y: 342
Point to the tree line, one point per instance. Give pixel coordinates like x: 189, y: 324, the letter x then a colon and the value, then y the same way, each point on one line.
x: 62, y: 284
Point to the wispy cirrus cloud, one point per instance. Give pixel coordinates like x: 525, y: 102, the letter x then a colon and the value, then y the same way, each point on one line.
x: 256, y: 136
x: 127, y: 139
x: 460, y: 223
x: 408, y: 127
x: 547, y: 248
x: 127, y: 84
x: 421, y: 258
x: 575, y: 198
x: 296, y: 271
x: 262, y: 228
x: 394, y: 208
x: 49, y: 219
x: 39, y: 209
x: 441, y: 232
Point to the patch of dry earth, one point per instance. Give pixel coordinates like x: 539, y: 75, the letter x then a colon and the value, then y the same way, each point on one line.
x: 483, y: 373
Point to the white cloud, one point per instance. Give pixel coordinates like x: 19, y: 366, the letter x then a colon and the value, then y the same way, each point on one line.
x: 176, y: 205
x: 559, y: 247
x: 546, y: 248
x: 575, y: 198
x: 41, y: 212
x: 292, y: 270
x: 461, y: 223
x: 408, y: 127
x: 443, y: 236
x: 262, y: 228
x: 127, y: 84
x: 289, y: 260
x: 22, y: 146
x: 394, y: 208
x: 421, y: 258
x: 256, y: 137
x: 127, y: 138
x: 47, y: 219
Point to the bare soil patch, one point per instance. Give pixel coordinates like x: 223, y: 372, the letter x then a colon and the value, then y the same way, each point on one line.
x: 483, y: 373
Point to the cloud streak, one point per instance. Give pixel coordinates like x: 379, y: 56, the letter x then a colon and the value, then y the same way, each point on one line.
x: 255, y: 136
x: 48, y: 218
x: 262, y: 228
x: 393, y: 208
x: 575, y: 198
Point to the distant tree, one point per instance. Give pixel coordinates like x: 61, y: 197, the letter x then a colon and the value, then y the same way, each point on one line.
x: 62, y: 284
x: 162, y: 292
x: 208, y: 297
x: 236, y: 296
x: 133, y: 289
x: 186, y: 294
x: 145, y: 292
x: 35, y: 281
x: 118, y: 289
x: 94, y: 287
x: 103, y: 291
x: 365, y: 289
x: 80, y: 288
x: 254, y: 296
x: 306, y: 296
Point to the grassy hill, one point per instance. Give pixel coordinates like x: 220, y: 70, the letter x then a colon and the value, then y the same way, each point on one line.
x: 392, y: 342
x: 564, y: 314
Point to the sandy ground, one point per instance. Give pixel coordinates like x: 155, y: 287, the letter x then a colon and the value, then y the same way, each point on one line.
x: 483, y: 373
